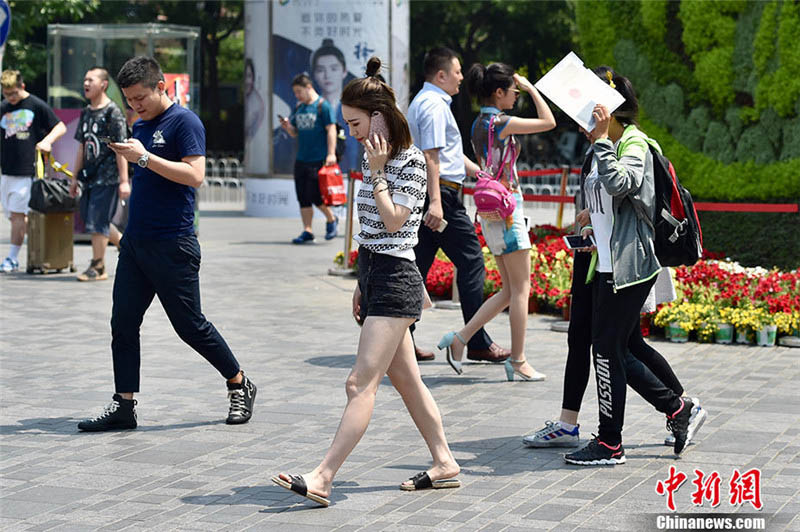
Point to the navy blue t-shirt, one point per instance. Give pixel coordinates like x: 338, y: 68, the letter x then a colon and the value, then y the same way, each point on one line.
x: 161, y: 209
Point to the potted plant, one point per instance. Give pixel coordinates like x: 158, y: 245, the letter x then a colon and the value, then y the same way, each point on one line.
x: 676, y: 319
x: 724, y: 332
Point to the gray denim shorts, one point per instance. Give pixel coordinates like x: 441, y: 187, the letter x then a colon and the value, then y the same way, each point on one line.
x: 390, y: 286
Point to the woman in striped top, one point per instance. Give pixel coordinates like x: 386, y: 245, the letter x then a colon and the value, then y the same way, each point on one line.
x: 390, y: 290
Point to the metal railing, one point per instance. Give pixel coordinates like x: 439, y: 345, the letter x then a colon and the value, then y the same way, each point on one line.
x: 223, y: 186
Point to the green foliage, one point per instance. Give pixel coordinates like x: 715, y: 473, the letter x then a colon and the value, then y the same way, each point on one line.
x: 709, y: 179
x: 692, y: 130
x: 754, y: 145
x: 718, y: 82
x: 764, y: 41
x: 26, y: 54
x: 758, y: 239
x: 718, y: 143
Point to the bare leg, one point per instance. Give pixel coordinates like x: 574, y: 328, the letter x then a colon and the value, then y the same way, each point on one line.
x: 379, y: 341
x: 569, y: 416
x: 99, y: 245
x: 17, y: 228
x: 405, y: 377
x: 307, y: 215
x: 490, y: 308
x: 114, y: 236
x: 324, y: 209
x: 518, y: 268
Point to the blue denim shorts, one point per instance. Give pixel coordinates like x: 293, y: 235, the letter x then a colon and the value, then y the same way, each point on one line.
x: 390, y: 286
x: 502, y: 239
x: 98, y: 204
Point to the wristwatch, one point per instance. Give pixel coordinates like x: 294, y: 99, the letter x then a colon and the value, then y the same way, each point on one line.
x: 142, y: 162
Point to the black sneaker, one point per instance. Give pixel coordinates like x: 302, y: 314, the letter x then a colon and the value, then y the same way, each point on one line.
x: 120, y: 414
x: 597, y: 453
x: 678, y: 424
x: 242, y: 396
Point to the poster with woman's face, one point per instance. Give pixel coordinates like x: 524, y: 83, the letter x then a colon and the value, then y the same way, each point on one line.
x: 331, y: 41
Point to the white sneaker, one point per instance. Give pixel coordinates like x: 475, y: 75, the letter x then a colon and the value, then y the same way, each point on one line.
x: 696, y: 420
x: 553, y: 435
x: 9, y: 265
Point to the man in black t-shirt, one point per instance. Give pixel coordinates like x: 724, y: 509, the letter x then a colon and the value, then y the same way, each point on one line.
x: 27, y: 124
x: 103, y: 173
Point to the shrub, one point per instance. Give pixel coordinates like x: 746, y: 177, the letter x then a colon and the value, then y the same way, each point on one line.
x: 718, y: 143
x: 754, y: 145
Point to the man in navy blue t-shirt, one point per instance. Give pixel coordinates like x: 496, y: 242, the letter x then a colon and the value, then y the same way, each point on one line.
x: 159, y: 253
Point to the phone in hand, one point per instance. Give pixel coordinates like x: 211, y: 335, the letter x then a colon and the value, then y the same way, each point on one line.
x: 106, y: 140
x: 378, y: 126
x: 442, y: 225
x: 578, y: 242
x: 281, y: 118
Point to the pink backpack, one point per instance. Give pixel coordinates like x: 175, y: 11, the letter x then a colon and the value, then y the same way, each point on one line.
x: 493, y: 200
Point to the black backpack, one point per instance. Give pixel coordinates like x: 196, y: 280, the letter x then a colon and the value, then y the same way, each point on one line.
x: 678, y: 237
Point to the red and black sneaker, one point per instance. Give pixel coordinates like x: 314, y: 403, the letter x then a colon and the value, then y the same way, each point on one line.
x: 597, y: 453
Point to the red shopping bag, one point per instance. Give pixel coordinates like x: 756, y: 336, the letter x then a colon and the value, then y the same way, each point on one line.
x: 331, y: 185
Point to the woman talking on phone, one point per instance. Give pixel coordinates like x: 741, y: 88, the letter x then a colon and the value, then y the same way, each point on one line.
x: 390, y: 291
x: 497, y: 150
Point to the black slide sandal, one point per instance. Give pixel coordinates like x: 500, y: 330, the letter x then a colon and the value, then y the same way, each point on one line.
x: 298, y: 485
x: 422, y: 482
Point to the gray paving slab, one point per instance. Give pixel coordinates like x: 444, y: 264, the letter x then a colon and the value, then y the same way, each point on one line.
x: 289, y: 324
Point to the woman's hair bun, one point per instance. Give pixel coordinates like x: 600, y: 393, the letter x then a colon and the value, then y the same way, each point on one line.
x: 373, y: 66
x: 327, y: 42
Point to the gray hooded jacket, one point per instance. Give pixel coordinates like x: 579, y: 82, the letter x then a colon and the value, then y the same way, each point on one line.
x: 627, y: 175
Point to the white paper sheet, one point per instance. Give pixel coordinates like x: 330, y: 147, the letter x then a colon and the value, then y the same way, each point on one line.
x: 576, y: 90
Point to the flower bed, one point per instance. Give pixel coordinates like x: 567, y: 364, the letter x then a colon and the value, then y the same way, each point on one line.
x: 710, y: 294
x: 715, y: 293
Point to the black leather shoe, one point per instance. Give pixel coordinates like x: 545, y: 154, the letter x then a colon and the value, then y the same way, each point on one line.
x: 494, y: 354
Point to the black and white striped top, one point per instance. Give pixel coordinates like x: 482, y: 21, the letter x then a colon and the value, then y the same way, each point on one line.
x: 407, y: 177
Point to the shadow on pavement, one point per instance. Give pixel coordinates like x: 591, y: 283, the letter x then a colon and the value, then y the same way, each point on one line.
x: 277, y: 499
x: 68, y: 425
x: 333, y: 361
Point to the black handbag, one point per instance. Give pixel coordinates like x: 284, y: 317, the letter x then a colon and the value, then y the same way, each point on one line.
x: 52, y: 195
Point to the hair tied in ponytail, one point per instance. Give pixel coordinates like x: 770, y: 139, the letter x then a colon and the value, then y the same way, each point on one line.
x: 610, y: 77
x: 373, y: 67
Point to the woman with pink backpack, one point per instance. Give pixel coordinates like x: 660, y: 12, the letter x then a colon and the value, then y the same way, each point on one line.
x: 499, y: 201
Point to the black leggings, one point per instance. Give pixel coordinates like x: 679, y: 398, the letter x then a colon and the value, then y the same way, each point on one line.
x: 579, y: 340
x: 615, y: 328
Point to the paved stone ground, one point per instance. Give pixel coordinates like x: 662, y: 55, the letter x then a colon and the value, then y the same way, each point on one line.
x: 289, y: 324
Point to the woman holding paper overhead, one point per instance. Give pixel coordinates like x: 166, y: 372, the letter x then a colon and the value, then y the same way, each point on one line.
x: 623, y: 269
x: 497, y: 89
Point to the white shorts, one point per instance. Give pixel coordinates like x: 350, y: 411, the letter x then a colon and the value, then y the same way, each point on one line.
x: 15, y: 193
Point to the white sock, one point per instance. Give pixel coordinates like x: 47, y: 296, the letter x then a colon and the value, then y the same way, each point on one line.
x: 567, y: 426
x: 14, y: 252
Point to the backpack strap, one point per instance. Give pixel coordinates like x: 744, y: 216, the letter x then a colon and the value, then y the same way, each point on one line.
x: 489, y: 151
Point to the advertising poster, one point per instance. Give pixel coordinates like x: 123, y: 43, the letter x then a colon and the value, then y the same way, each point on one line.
x: 178, y: 88
x: 331, y: 41
x: 256, y: 90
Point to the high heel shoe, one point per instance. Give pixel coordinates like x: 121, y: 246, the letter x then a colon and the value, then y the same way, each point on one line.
x: 447, y: 343
x: 511, y: 371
